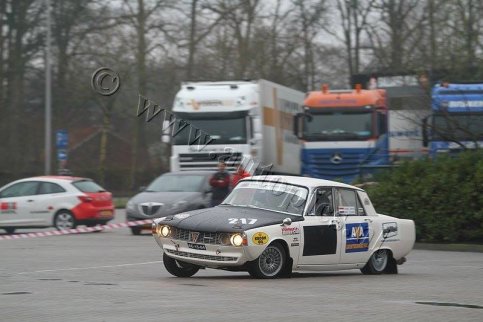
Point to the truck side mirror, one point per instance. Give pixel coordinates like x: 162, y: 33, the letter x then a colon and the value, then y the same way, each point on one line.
x: 425, y: 132
x: 166, y: 133
x: 296, y: 124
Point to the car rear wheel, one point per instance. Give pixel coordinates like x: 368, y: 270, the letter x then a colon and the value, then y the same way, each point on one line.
x: 179, y: 269
x: 270, y: 263
x: 377, y: 263
x: 136, y: 230
x: 9, y: 230
x: 64, y: 220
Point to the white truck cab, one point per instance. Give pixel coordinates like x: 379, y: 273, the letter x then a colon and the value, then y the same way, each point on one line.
x: 236, y: 121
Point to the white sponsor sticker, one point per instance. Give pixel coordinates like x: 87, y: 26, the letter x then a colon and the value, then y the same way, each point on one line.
x: 347, y: 210
x: 182, y: 216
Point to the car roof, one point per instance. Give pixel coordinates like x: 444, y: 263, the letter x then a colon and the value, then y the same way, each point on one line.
x: 55, y: 178
x: 302, y: 181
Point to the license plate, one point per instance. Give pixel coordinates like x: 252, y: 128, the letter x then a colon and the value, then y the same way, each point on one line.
x: 105, y: 213
x: 197, y: 246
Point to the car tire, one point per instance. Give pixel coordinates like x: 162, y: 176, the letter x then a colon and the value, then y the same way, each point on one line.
x: 9, y: 230
x: 136, y: 230
x: 178, y: 268
x: 64, y: 220
x: 378, y: 262
x: 270, y: 264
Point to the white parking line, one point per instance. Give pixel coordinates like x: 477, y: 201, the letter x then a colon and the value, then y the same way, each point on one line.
x: 92, y: 267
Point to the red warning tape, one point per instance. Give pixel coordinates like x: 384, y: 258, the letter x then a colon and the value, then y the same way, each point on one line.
x: 78, y: 230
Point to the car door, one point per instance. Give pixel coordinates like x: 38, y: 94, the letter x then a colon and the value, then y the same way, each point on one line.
x: 16, y: 202
x: 357, y: 227
x: 321, y: 237
x: 49, y: 196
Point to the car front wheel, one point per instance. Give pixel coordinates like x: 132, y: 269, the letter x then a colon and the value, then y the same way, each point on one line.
x: 179, y: 269
x: 136, y: 230
x: 64, y: 220
x: 377, y: 263
x: 9, y: 230
x: 270, y: 263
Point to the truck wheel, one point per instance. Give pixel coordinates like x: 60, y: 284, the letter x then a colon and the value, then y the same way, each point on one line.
x: 270, y: 264
x: 64, y: 220
x: 179, y: 269
x: 377, y: 263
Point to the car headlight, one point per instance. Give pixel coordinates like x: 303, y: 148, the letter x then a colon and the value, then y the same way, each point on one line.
x: 130, y: 205
x: 238, y: 240
x: 164, y: 231
x: 179, y: 204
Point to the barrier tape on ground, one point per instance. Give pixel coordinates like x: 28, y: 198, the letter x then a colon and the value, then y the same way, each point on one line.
x: 78, y: 230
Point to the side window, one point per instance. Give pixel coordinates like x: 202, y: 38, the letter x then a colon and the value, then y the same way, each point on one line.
x: 48, y: 188
x: 346, y: 200
x: 322, y: 203
x: 20, y: 189
x: 360, y: 207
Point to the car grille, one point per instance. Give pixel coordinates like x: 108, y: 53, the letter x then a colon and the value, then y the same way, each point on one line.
x: 202, y: 256
x: 202, y: 237
x: 150, y: 209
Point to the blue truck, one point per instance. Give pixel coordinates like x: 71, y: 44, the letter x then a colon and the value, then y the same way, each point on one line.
x: 456, y: 122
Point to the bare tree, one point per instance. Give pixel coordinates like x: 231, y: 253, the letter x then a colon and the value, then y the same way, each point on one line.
x: 354, y: 16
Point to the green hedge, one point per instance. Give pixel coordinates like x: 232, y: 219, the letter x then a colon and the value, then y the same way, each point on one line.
x: 443, y: 196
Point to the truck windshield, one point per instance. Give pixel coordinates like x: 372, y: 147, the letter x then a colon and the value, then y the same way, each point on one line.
x: 222, y: 130
x: 465, y: 127
x: 269, y: 195
x: 338, y: 125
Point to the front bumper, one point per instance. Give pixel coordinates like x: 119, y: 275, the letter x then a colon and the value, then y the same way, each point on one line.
x: 214, y: 256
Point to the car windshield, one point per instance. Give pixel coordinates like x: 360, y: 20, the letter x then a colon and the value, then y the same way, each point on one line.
x: 176, y: 183
x: 343, y: 125
x: 269, y: 195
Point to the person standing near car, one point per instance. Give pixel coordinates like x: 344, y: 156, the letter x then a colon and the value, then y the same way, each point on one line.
x: 220, y: 182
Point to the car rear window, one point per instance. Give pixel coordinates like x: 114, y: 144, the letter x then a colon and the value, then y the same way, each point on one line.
x: 88, y: 186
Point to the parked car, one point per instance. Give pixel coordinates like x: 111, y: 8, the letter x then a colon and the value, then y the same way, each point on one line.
x: 169, y: 194
x: 59, y: 201
x: 272, y: 225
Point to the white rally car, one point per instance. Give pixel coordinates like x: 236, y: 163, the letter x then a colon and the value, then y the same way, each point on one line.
x: 271, y: 225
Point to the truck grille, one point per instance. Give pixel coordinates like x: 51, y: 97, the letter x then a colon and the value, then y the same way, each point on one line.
x: 208, y: 161
x: 200, y: 237
x: 202, y: 256
x: 320, y: 163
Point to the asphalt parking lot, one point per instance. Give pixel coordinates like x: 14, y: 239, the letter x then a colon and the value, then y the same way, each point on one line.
x: 114, y: 276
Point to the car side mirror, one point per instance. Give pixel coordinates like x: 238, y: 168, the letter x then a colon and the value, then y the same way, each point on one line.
x: 142, y: 188
x: 286, y: 222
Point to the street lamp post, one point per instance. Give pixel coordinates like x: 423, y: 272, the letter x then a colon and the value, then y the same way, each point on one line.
x: 48, y: 93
